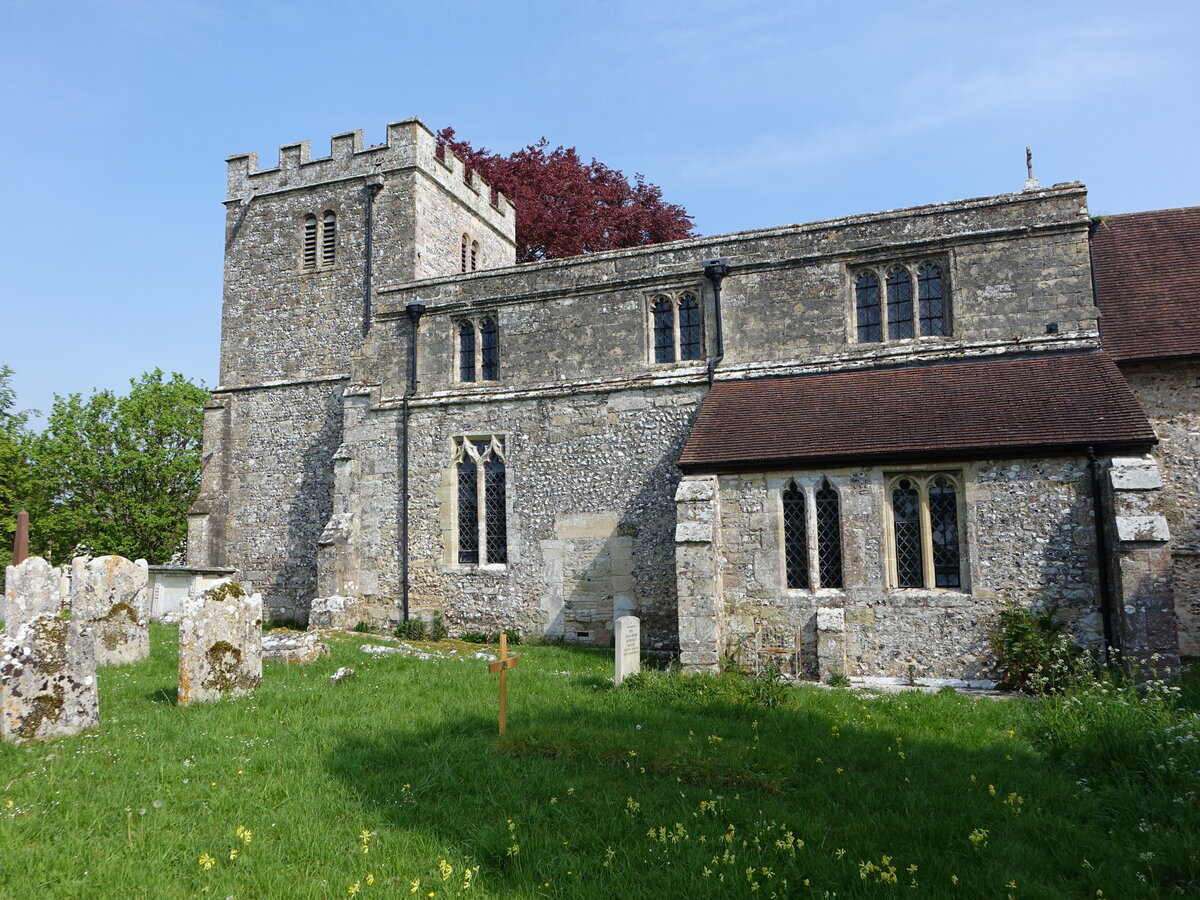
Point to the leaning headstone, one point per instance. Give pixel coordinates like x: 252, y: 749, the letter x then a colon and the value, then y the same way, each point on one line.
x: 629, y: 647
x: 47, y: 662
x: 220, y: 643
x: 108, y: 595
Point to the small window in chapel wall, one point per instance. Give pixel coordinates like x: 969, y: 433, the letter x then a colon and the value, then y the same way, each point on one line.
x: 664, y: 331
x: 689, y: 328
x: 866, y: 301
x: 466, y: 351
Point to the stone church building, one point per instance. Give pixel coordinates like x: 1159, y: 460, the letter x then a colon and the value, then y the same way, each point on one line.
x: 840, y: 446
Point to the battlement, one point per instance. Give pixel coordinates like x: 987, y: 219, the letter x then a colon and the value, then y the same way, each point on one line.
x: 409, y: 144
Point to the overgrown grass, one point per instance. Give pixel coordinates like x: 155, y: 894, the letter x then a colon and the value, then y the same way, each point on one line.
x: 666, y: 787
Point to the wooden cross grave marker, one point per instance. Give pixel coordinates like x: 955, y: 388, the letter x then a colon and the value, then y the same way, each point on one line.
x: 502, y: 666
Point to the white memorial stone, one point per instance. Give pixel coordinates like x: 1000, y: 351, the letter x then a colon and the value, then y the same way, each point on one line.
x: 629, y: 647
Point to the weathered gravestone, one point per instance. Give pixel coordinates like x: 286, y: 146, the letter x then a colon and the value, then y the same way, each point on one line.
x: 109, y: 597
x: 47, y: 661
x: 220, y: 643
x: 629, y: 647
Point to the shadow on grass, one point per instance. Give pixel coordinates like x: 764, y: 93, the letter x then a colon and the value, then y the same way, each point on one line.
x: 578, y: 780
x: 167, y: 695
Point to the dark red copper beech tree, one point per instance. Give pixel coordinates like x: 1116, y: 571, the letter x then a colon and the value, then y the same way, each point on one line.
x: 566, y: 206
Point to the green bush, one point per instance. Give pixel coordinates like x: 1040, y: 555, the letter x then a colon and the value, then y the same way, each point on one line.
x: 413, y: 630
x: 1033, y: 651
x: 437, y: 629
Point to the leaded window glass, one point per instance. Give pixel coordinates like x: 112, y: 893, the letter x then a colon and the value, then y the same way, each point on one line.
x: 795, y: 536
x: 943, y: 527
x: 495, y: 515
x: 328, y: 238
x: 466, y: 351
x: 866, y: 300
x: 490, y: 339
x: 829, y: 536
x: 468, y: 511
x: 899, y: 303
x: 906, y: 520
x: 931, y: 298
x: 689, y: 328
x: 664, y: 331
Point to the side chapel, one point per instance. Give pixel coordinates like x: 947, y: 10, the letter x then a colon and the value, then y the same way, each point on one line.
x: 840, y: 446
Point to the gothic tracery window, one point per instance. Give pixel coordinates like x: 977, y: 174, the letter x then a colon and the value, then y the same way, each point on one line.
x: 899, y: 311
x: 481, y: 498
x: 812, y: 536
x: 677, y: 327
x: 925, y: 531
x: 478, y: 350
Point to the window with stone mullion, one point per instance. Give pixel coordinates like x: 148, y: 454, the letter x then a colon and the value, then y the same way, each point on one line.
x: 899, y: 304
x: 829, y: 536
x: 466, y: 351
x: 689, y: 328
x: 490, y: 339
x: 906, y: 524
x: 795, y: 536
x: 468, y: 511
x: 664, y: 331
x: 867, y: 312
x: 931, y: 300
x: 495, y: 514
x: 943, y: 532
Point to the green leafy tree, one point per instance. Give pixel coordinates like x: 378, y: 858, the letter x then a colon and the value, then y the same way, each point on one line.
x: 14, y: 468
x: 117, y: 474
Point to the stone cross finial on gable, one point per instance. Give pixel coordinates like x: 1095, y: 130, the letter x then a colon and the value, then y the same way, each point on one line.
x: 1031, y: 183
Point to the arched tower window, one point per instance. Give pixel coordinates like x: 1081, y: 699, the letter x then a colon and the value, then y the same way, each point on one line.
x: 328, y: 238
x: 466, y: 242
x: 309, y: 257
x: 866, y: 300
x: 466, y: 351
x: 689, y: 327
x: 795, y: 536
x: 931, y: 295
x: 490, y: 339
x: 474, y: 255
x: 899, y: 303
x: 829, y: 536
x: 664, y: 331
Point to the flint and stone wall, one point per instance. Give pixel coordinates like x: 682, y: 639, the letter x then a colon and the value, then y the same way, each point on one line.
x: 590, y: 512
x: 1029, y: 539
x: 1169, y: 392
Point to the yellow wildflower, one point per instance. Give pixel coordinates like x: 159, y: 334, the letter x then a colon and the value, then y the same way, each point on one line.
x: 206, y: 861
x: 353, y: 889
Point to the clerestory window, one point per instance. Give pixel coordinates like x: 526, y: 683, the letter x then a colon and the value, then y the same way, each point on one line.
x: 481, y: 516
x: 676, y: 326
x: 924, y: 531
x: 478, y: 350
x: 812, y: 535
x: 319, y: 244
x: 890, y: 313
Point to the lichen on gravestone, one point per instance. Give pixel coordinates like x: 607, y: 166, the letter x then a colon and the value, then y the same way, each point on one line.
x: 220, y: 643
x: 109, y: 595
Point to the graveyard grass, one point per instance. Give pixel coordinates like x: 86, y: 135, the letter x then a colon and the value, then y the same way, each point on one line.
x: 395, y: 783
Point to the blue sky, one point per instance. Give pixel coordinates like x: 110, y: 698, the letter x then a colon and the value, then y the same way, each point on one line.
x: 117, y: 117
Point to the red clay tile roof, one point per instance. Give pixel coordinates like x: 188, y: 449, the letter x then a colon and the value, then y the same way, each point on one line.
x: 961, y: 410
x: 1147, y: 272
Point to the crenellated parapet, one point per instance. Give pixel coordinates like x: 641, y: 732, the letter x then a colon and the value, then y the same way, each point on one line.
x: 409, y: 145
